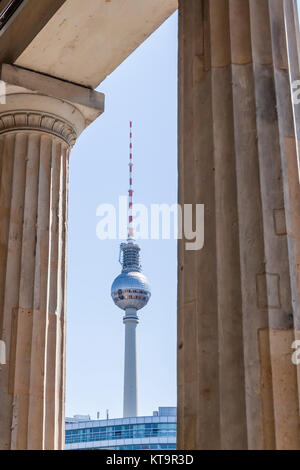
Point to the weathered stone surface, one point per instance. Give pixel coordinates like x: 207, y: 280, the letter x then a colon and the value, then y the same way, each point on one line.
x: 239, y: 295
x: 85, y: 41
x: 36, y: 134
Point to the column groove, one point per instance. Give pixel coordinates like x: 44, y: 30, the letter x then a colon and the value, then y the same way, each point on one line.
x: 33, y: 211
x: 238, y: 156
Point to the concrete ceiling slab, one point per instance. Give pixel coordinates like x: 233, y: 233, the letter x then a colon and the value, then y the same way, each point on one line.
x: 86, y: 40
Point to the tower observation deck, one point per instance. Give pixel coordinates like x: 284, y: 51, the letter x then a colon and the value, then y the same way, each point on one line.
x: 130, y: 291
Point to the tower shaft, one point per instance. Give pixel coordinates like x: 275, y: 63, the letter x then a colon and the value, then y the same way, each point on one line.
x: 130, y: 367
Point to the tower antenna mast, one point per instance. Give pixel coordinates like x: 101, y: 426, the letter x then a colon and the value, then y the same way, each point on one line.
x: 130, y: 191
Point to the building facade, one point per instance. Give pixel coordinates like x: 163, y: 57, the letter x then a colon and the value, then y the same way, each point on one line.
x: 155, y: 432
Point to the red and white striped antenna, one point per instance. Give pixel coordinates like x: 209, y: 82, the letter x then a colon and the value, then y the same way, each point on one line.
x: 130, y: 191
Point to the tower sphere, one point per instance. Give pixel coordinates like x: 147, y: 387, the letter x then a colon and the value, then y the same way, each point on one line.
x: 131, y: 290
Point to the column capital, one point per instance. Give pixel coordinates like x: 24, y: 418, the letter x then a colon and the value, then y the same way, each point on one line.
x: 33, y: 101
x: 24, y: 120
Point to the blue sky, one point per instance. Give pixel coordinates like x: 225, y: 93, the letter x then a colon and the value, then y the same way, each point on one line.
x: 143, y: 89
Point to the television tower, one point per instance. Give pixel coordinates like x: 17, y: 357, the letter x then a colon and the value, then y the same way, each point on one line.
x: 130, y: 291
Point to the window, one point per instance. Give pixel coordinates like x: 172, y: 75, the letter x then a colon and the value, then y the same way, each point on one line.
x: 126, y: 431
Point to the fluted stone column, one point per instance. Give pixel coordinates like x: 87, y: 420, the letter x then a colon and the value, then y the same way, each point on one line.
x: 238, y: 297
x: 36, y: 135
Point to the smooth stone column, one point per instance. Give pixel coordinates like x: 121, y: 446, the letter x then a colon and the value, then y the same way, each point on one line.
x: 238, y: 297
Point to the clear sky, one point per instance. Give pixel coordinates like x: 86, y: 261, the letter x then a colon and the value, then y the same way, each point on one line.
x: 143, y: 89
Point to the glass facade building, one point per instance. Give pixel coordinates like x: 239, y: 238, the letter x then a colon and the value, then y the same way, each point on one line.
x: 139, y: 433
